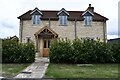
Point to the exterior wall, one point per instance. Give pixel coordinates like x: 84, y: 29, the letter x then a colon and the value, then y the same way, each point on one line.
x: 96, y: 30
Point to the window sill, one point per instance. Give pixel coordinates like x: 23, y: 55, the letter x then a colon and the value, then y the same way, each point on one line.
x: 63, y: 25
x: 35, y: 24
x: 88, y: 25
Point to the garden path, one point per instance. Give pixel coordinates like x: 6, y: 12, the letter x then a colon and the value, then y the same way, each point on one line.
x: 36, y: 69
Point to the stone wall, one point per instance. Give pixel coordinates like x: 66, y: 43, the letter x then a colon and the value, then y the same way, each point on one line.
x: 96, y: 30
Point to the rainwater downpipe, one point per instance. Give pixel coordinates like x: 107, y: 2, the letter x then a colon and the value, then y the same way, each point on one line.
x: 75, y: 28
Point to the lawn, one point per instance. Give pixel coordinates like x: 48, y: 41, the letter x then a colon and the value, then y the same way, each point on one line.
x: 11, y: 70
x: 74, y: 71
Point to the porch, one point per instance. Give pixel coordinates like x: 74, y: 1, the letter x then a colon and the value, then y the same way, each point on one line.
x: 43, y: 38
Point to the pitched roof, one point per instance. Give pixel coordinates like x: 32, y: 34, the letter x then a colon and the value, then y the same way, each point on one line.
x: 49, y: 29
x: 62, y: 10
x: 36, y: 9
x: 52, y: 14
x: 88, y: 12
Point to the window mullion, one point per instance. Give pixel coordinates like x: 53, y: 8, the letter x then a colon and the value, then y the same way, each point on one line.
x: 36, y: 19
x: 62, y: 20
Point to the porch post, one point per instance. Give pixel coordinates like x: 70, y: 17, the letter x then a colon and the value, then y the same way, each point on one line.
x: 37, y: 43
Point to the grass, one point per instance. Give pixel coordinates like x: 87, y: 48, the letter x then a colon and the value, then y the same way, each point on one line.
x: 11, y: 70
x: 74, y: 71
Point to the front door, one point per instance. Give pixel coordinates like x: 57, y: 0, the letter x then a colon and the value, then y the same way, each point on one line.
x: 46, y: 44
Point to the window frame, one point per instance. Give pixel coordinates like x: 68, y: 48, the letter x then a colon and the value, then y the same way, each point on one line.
x: 63, y: 20
x: 28, y: 39
x: 36, y: 19
x: 87, y: 20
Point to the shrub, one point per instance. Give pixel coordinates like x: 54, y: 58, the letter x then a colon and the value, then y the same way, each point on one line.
x: 115, y: 51
x: 14, y: 52
x: 84, y: 51
x: 60, y: 51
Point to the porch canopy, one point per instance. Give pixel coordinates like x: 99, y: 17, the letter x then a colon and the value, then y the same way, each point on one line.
x: 46, y: 32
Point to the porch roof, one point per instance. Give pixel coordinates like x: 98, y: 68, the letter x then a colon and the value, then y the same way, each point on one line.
x: 50, y: 31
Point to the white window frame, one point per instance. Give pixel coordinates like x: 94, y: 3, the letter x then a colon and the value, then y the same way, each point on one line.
x: 63, y: 20
x: 88, y: 20
x: 36, y: 19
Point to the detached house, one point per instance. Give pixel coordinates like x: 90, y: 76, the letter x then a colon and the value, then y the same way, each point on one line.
x: 40, y: 26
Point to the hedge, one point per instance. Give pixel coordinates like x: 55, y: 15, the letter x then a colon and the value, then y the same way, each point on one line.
x: 14, y: 52
x: 83, y: 51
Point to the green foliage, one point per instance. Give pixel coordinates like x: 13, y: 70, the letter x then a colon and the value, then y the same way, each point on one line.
x: 115, y: 50
x: 59, y: 51
x: 14, y: 52
x: 84, y: 51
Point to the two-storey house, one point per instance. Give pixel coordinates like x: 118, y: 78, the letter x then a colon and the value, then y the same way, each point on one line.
x: 40, y: 26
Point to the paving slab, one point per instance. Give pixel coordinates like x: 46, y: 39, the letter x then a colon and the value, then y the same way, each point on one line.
x: 35, y: 70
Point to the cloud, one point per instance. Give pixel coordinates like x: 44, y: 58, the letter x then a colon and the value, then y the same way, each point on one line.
x: 6, y: 25
x: 7, y: 32
x: 112, y: 26
x: 11, y: 9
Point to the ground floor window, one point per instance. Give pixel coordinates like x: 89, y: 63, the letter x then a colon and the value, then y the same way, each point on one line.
x: 28, y: 39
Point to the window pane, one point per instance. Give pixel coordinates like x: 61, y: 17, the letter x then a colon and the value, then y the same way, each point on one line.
x: 90, y: 20
x: 65, y: 20
x: 85, y: 20
x: 60, y: 20
x: 48, y: 43
x: 45, y: 44
x: 38, y: 19
x: 27, y: 39
x: 33, y: 19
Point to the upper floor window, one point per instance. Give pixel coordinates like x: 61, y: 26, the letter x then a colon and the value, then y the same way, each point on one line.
x: 63, y: 20
x: 87, y: 20
x: 35, y: 19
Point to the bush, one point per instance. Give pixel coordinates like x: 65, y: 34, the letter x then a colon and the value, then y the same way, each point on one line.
x: 14, y: 52
x: 115, y: 51
x: 60, y: 51
x: 83, y: 51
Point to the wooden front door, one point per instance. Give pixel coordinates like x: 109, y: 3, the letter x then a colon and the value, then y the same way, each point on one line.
x: 46, y: 44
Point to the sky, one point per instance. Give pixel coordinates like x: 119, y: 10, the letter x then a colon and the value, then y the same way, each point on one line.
x: 11, y: 9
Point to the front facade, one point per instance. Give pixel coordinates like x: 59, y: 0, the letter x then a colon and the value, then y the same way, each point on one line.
x: 40, y: 26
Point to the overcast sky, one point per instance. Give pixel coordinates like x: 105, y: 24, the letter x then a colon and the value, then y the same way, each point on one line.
x: 11, y: 9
